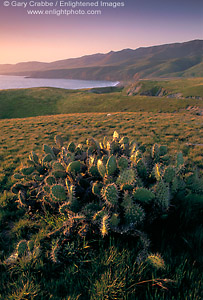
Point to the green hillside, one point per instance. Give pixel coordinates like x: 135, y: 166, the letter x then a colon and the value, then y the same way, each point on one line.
x: 91, y: 218
x: 107, y: 266
x: 23, y: 103
x: 182, y: 88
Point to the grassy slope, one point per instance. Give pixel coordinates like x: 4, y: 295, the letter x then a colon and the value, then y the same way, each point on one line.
x: 20, y: 136
x: 148, y: 67
x: 111, y: 271
x: 47, y: 101
x: 192, y: 87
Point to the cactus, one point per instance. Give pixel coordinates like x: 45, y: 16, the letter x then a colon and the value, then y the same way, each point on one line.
x: 100, y: 188
x: 27, y: 171
x: 114, y: 147
x: 169, y: 174
x: 18, y: 176
x: 94, y: 171
x: 101, y: 167
x: 17, y: 187
x: 71, y: 193
x: 58, y: 192
x: 162, y: 194
x: 110, y: 194
x: 126, y: 177
x: 143, y: 195
x: 127, y: 200
x: 59, y: 174
x: 48, y: 150
x: 114, y: 220
x: 33, y: 157
x: 57, y: 166
x: 115, y: 136
x: 90, y: 210
x: 92, y: 143
x: 74, y: 167
x: 47, y: 189
x: 157, y: 172
x: 104, y: 225
x: 155, y: 261
x: 126, y: 187
x: 22, y: 198
x: 165, y: 159
x: 179, y: 160
x: 163, y: 150
x: 71, y: 147
x: 47, y: 158
x: 96, y: 188
x: 194, y: 183
x: 50, y: 180
x: 155, y: 152
x: 134, y: 214
x: 37, y: 177
x: 64, y: 208
x: 123, y: 163
x: 58, y: 140
x: 99, y: 215
x: 30, y: 245
x: 136, y: 156
x: 74, y: 205
x: 111, y: 165
x: 124, y: 140
x: 22, y: 248
x: 55, y: 252
x: 141, y: 169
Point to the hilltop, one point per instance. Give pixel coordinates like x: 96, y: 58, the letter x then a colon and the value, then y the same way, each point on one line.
x: 164, y: 61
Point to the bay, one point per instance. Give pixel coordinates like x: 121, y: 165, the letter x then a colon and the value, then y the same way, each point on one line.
x: 19, y: 82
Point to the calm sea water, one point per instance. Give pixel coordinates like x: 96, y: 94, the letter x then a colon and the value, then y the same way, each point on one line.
x: 18, y: 82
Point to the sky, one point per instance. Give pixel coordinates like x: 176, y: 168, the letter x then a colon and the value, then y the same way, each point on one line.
x: 62, y: 32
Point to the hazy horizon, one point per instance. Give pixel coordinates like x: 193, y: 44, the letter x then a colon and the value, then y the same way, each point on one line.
x: 89, y: 54
x: 48, y: 38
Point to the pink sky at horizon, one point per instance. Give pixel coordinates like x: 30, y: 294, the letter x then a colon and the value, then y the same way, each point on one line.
x: 139, y: 24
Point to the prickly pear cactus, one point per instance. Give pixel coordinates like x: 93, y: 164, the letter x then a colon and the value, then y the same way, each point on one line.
x: 101, y: 188
x: 155, y: 261
x: 24, y: 248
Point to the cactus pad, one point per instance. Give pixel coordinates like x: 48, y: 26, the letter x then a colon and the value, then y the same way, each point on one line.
x: 74, y: 167
x: 110, y: 194
x: 58, y: 140
x: 22, y: 248
x: 101, y: 167
x: 27, y: 171
x: 58, y: 192
x: 126, y: 177
x: 123, y: 163
x: 96, y: 188
x: 48, y: 150
x: 111, y: 165
x: 155, y: 261
x: 169, y: 174
x: 50, y: 180
x: 134, y: 214
x: 71, y: 147
x: 162, y: 195
x: 143, y: 195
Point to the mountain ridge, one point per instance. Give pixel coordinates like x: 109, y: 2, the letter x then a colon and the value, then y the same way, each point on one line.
x: 166, y: 60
